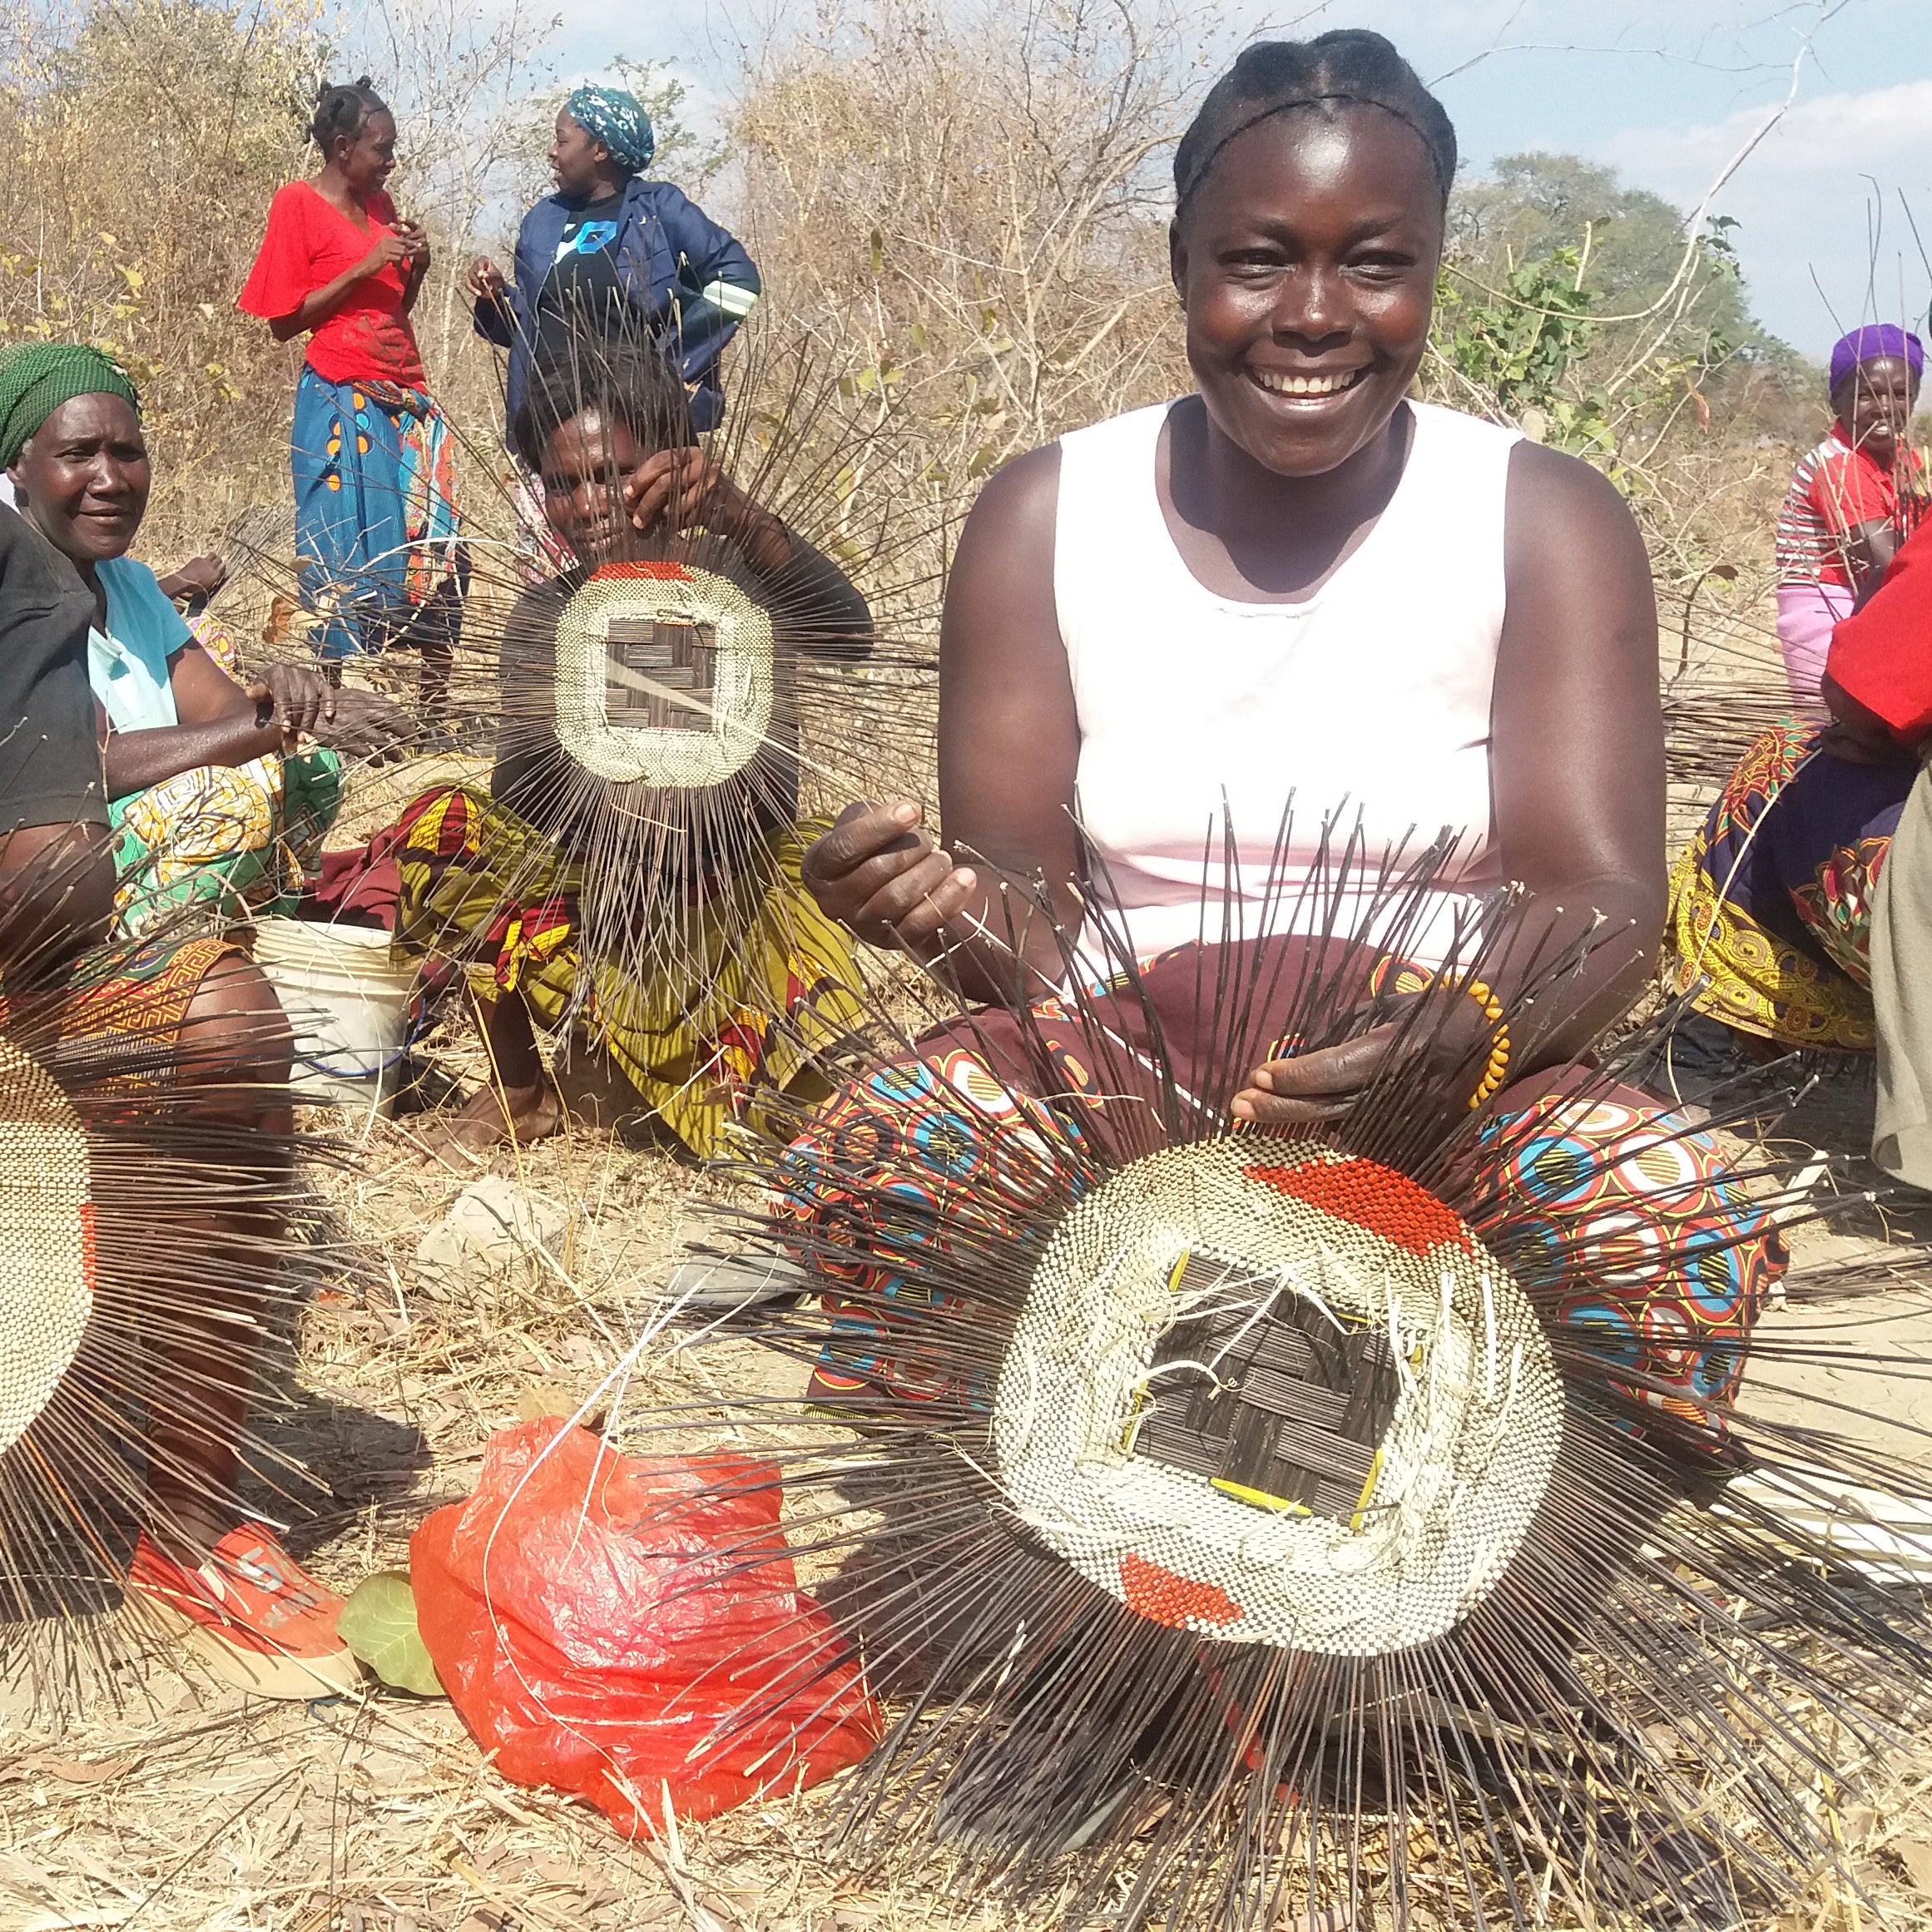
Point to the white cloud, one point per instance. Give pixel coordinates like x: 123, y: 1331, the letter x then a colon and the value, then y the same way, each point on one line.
x: 1808, y: 199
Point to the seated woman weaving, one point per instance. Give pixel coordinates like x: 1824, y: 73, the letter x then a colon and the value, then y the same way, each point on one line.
x: 212, y: 804
x: 1293, y: 584
x: 182, y: 1257
x: 660, y: 921
x: 1771, y: 901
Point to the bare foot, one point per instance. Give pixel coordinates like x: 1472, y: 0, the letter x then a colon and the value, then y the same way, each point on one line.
x: 490, y: 1117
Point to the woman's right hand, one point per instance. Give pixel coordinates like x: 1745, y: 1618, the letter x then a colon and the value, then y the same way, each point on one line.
x: 389, y: 251
x: 485, y: 280
x: 302, y: 704
x: 296, y: 698
x: 879, y: 874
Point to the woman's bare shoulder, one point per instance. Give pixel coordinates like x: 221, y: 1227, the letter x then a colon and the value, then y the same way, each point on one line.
x: 1551, y: 492
x: 1023, y: 491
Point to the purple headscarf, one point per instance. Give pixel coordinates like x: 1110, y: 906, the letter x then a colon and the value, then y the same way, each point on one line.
x: 1875, y: 338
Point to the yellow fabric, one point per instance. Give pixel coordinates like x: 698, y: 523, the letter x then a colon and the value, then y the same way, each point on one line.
x: 764, y: 983
x: 1754, y: 981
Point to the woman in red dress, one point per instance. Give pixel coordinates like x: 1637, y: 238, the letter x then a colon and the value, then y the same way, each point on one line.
x: 376, y: 524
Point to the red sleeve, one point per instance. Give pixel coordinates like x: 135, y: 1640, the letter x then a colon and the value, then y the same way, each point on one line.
x: 1882, y: 654
x: 284, y: 273
x: 1849, y: 490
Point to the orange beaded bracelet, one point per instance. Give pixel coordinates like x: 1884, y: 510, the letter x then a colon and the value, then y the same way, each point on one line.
x: 1492, y: 1011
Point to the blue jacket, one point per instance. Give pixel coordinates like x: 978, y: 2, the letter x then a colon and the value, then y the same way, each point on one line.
x: 691, y: 278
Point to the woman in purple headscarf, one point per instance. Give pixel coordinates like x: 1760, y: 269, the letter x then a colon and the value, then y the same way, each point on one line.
x: 1852, y: 501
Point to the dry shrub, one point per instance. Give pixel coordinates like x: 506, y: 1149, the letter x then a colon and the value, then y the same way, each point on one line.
x: 972, y: 203
x: 140, y: 140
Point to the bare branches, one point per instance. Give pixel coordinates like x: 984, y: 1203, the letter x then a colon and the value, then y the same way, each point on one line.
x: 994, y: 186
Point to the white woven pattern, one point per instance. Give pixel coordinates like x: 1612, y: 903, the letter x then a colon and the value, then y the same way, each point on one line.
x: 669, y: 759
x: 1464, y: 1460
x: 46, y: 1239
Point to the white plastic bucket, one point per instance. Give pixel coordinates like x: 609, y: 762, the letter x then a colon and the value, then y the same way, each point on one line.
x: 347, y: 996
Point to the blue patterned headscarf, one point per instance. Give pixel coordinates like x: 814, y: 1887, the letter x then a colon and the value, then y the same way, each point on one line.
x: 619, y: 121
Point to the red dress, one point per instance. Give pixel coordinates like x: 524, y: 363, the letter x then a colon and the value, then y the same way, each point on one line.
x: 1882, y: 657
x: 309, y: 243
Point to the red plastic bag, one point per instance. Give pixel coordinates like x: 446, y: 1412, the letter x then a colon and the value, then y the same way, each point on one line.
x: 641, y: 1627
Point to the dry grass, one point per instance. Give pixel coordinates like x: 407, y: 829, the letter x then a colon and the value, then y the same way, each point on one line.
x: 190, y: 1808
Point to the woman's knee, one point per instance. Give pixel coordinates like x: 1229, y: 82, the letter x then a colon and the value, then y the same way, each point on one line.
x: 234, y: 1029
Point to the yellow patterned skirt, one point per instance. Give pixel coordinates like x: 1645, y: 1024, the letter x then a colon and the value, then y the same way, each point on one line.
x: 1770, y: 902
x: 760, y: 985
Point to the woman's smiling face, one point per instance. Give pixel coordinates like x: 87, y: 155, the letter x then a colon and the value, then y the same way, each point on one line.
x: 84, y: 476
x: 1307, y: 263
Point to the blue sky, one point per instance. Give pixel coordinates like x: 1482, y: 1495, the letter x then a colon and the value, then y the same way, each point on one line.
x: 1666, y: 90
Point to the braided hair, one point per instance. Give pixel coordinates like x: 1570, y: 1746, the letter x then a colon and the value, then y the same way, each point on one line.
x: 1350, y: 68
x: 342, y: 111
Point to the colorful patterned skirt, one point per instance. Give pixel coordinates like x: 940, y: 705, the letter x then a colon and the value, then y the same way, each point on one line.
x: 1770, y: 902
x: 1660, y: 1260
x: 127, y: 1003
x: 761, y: 985
x: 223, y: 840
x: 378, y: 533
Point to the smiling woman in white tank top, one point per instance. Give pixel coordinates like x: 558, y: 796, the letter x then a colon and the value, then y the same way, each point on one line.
x: 1295, y: 585
x: 1297, y: 588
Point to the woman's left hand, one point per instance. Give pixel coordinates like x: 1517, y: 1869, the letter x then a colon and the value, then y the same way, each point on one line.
x: 677, y: 488
x: 415, y: 238
x: 1313, y: 1087
x: 363, y: 724
x: 1325, y: 1083
x: 199, y: 578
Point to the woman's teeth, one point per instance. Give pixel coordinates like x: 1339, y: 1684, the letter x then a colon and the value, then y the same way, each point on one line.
x: 1314, y: 385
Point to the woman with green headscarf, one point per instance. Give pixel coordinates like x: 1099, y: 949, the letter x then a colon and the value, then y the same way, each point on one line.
x: 219, y: 792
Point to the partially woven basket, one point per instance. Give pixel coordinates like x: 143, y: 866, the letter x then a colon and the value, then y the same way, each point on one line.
x: 46, y: 1240
x: 1273, y: 1395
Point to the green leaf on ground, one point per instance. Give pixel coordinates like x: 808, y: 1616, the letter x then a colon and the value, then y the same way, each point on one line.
x: 379, y: 1624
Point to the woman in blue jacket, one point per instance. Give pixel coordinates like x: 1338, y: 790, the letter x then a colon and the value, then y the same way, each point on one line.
x: 609, y: 249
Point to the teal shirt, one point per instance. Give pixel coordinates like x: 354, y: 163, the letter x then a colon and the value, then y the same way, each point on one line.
x: 128, y: 667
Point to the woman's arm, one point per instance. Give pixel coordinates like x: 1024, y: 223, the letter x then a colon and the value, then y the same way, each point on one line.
x: 1868, y: 551
x: 717, y: 283
x: 1579, y: 734
x: 816, y: 598
x: 1577, y: 782
x: 1009, y: 749
x: 218, y: 726
x: 489, y: 298
x: 225, y: 723
x: 319, y: 304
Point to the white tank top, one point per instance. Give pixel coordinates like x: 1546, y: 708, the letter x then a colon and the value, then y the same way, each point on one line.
x: 1370, y: 700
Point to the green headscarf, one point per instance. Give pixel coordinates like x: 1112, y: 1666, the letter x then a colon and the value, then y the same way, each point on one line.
x: 36, y: 378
